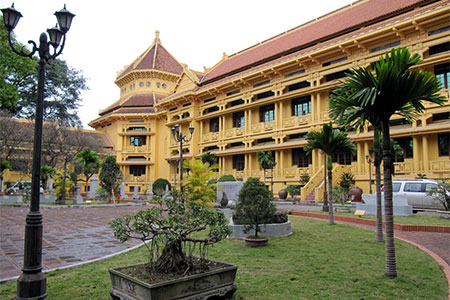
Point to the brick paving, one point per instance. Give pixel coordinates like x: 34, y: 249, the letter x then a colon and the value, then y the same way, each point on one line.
x: 70, y: 236
x: 77, y: 235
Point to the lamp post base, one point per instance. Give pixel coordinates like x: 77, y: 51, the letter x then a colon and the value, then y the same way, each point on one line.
x: 31, y: 286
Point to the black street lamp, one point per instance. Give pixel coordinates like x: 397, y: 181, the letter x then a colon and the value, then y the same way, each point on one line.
x: 369, y: 161
x: 180, y: 138
x: 32, y: 282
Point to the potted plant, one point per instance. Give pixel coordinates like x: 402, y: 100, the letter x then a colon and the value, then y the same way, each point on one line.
x: 173, y: 272
x: 255, y: 208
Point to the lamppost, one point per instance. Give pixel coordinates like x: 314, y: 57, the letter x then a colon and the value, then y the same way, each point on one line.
x: 369, y: 161
x: 180, y: 138
x: 32, y: 282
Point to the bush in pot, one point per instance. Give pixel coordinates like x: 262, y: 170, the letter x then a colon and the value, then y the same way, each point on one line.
x: 170, y: 232
x: 255, y: 207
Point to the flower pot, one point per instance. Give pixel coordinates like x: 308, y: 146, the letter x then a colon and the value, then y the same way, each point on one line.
x: 282, y: 194
x: 256, y: 242
x: 217, y: 282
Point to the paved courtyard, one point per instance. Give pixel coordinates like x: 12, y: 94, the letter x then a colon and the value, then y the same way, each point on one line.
x: 71, y: 235
x: 76, y: 235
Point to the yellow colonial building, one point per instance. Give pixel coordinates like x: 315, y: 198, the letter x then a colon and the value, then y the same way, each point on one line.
x: 268, y: 96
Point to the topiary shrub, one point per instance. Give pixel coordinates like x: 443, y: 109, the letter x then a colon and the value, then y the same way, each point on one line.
x: 254, y: 207
x: 226, y: 177
x: 159, y: 186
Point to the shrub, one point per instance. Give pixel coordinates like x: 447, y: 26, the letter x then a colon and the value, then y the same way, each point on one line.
x: 254, y: 207
x: 226, y: 177
x: 304, y: 179
x: 159, y: 186
x: 293, y: 190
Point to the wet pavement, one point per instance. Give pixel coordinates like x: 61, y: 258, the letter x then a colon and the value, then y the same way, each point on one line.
x: 74, y: 236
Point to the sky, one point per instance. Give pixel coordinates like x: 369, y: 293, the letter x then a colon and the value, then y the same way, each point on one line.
x: 106, y: 35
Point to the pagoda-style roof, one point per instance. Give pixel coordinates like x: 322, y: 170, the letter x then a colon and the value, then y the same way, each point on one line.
x: 348, y: 18
x: 134, y: 101
x: 155, y: 57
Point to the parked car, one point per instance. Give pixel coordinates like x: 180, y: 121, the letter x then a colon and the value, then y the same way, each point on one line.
x: 416, y: 192
x: 20, y: 187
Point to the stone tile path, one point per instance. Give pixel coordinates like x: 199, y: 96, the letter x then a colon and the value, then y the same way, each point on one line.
x: 71, y: 236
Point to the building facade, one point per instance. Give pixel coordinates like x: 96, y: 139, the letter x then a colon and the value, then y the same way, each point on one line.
x: 268, y: 96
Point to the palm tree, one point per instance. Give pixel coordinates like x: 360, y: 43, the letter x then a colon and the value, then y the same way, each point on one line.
x: 89, y: 163
x: 330, y: 141
x: 392, y: 89
x: 266, y: 161
x: 208, y: 157
x: 47, y: 172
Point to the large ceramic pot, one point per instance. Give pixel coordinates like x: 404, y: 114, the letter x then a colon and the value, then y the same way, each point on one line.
x: 256, y: 242
x: 282, y: 194
x: 217, y: 283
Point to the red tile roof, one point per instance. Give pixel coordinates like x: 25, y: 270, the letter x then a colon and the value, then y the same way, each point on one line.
x: 350, y: 17
x: 135, y: 101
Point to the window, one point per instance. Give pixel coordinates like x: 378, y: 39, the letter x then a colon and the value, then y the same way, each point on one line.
x: 137, y: 129
x: 148, y: 84
x: 332, y: 62
x: 344, y: 158
x: 407, y: 145
x: 158, y: 85
x: 413, y: 187
x: 396, y: 187
x: 239, y: 162
x: 440, y: 30
x: 443, y: 74
x: 336, y: 75
x: 300, y: 158
x: 233, y: 92
x: 439, y: 48
x: 138, y: 140
x: 267, y: 113
x: 214, y: 125
x: 265, y: 95
x: 141, y: 84
x: 236, y: 102
x: 298, y: 85
x: 261, y: 83
x: 294, y: 73
x: 444, y: 143
x: 211, y: 109
x: 386, y: 46
x: 301, y: 106
x: 209, y: 100
x: 441, y: 116
x: 137, y: 170
x: 238, y: 119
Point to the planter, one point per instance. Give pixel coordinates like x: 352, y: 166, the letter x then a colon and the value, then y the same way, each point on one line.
x: 217, y: 283
x: 256, y: 242
x: 282, y: 194
x: 271, y: 230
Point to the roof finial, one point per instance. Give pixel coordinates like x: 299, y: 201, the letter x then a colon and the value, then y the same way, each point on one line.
x: 157, y: 40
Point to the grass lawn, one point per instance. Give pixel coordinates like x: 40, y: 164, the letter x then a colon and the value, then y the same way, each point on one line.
x: 317, y: 262
x: 416, y: 219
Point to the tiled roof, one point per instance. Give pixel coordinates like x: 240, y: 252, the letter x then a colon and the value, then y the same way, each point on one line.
x: 139, y: 100
x: 156, y: 57
x: 350, y: 17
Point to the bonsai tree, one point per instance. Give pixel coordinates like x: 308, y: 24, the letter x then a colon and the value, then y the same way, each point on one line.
x: 346, y: 181
x: 159, y: 186
x: 254, y: 207
x: 171, y: 230
x: 4, y: 165
x: 293, y: 190
x: 226, y: 177
x: 110, y: 176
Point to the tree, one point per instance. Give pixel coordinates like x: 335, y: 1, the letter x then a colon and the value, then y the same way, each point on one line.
x: 442, y: 193
x: 88, y: 162
x: 4, y: 165
x: 254, y: 206
x: 18, y: 86
x: 15, y: 71
x: 110, y: 176
x: 197, y: 186
x: 330, y: 141
x: 266, y: 161
x: 391, y: 89
x: 47, y: 172
x: 210, y: 158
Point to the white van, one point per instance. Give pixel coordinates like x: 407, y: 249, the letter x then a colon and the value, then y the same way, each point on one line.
x: 416, y: 192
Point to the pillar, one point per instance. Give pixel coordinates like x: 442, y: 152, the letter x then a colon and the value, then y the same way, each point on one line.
x: 426, y: 161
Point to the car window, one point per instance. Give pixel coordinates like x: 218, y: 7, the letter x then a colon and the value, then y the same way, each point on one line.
x: 430, y: 187
x: 396, y: 187
x: 413, y: 187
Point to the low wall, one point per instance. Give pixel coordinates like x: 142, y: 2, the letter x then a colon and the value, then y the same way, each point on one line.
x: 10, y: 199
x: 275, y: 230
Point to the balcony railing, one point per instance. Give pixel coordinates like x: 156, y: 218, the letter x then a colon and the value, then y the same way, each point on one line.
x: 439, y: 166
x: 296, y: 121
x: 262, y: 126
x: 136, y: 148
x: 234, y: 132
x: 210, y: 136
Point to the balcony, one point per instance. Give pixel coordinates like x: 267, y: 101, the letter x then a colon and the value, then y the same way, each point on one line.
x: 296, y: 121
x: 210, y: 136
x: 263, y: 126
x: 439, y: 166
x: 138, y: 149
x: 136, y: 179
x: 232, y: 132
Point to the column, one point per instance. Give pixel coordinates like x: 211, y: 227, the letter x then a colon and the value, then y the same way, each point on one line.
x: 416, y: 155
x: 426, y: 162
x: 246, y: 168
x: 281, y: 163
x: 361, y: 158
